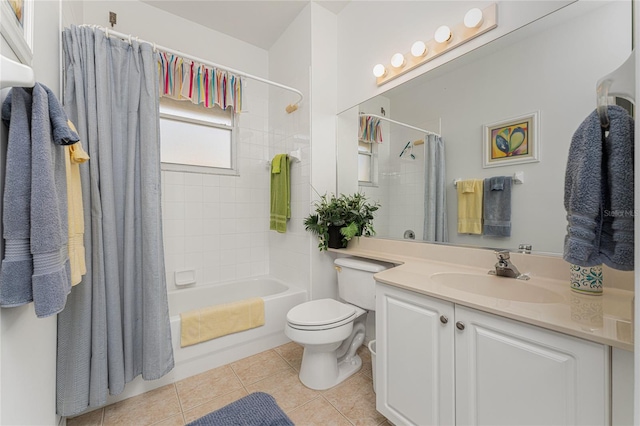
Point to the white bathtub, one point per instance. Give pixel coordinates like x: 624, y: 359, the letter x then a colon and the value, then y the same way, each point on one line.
x: 278, y: 299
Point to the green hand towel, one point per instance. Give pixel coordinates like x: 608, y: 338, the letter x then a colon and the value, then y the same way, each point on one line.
x: 280, y: 193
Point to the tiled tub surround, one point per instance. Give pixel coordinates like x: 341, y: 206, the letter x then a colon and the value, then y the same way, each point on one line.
x: 218, y: 225
x: 572, y: 315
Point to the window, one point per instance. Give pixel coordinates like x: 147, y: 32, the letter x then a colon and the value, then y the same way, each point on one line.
x: 366, y: 163
x: 196, y: 139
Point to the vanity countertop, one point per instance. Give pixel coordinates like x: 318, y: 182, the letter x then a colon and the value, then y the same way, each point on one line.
x: 605, y: 319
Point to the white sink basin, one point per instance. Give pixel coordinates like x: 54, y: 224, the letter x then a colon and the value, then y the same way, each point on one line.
x: 498, y: 287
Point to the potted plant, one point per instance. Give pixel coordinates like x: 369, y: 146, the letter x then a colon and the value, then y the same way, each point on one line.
x: 338, y: 219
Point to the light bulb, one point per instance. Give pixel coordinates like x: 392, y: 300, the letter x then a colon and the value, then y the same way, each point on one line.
x: 397, y: 60
x: 418, y: 49
x: 473, y: 18
x: 379, y: 70
x: 443, y: 34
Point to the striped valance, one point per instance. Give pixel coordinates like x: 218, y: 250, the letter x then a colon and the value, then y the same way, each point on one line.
x: 184, y: 79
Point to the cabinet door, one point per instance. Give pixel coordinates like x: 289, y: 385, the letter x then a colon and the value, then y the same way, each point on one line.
x: 511, y: 373
x: 414, y: 367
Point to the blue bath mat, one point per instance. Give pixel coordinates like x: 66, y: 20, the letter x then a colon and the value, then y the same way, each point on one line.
x: 256, y: 409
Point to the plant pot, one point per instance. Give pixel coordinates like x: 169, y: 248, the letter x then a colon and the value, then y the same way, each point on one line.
x: 335, y: 238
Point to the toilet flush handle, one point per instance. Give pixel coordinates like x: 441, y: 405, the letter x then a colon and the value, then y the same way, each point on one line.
x: 338, y: 268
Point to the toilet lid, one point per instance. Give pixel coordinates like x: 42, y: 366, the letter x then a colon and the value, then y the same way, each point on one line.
x: 320, y: 312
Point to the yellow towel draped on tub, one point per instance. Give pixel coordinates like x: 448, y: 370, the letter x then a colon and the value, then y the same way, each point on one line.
x: 470, y: 206
x: 205, y: 324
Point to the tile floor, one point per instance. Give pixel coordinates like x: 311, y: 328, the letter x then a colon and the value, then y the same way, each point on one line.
x: 275, y: 372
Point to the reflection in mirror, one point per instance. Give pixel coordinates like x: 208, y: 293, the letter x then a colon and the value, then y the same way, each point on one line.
x: 550, y: 66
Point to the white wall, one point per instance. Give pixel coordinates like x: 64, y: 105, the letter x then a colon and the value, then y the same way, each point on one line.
x: 324, y: 76
x: 370, y: 32
x: 535, y: 74
x: 28, y: 344
x: 149, y: 23
x: 289, y: 64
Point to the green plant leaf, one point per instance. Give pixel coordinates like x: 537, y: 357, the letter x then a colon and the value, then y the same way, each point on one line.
x: 352, y: 213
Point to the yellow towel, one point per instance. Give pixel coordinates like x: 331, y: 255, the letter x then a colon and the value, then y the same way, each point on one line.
x: 74, y: 156
x: 280, y: 193
x: 205, y: 324
x: 470, y: 206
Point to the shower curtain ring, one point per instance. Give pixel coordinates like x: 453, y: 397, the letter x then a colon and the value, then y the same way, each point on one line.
x: 129, y: 39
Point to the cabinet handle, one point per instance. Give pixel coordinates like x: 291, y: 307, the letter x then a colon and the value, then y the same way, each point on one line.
x: 460, y: 325
x: 444, y: 319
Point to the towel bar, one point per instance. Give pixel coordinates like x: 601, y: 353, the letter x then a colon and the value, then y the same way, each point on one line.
x: 295, y: 156
x: 518, y: 177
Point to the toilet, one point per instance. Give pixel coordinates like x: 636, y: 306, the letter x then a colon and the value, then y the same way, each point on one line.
x: 332, y: 331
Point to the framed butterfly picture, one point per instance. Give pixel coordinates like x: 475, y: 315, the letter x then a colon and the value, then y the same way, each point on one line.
x: 513, y: 141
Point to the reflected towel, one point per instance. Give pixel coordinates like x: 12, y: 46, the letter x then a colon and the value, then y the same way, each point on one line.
x: 205, y: 324
x: 280, y: 193
x: 74, y: 156
x: 497, y: 207
x: 470, y: 206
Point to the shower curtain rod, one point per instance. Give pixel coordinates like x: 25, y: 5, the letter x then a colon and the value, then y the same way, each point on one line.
x: 128, y: 37
x: 400, y: 123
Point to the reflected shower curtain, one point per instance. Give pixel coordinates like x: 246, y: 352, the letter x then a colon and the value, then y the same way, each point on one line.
x: 116, y: 322
x: 435, y: 201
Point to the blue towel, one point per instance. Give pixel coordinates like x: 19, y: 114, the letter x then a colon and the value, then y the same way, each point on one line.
x: 617, y: 238
x: 256, y: 409
x: 598, y: 197
x: 17, y: 265
x: 496, y: 215
x: 36, y: 263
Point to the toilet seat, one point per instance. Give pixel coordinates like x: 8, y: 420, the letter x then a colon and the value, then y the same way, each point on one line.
x: 321, y: 314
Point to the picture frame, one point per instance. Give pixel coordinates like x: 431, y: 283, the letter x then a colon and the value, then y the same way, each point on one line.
x: 16, y: 27
x: 512, y: 141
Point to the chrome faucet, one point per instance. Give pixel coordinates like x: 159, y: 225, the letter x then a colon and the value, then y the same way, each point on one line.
x: 504, y: 267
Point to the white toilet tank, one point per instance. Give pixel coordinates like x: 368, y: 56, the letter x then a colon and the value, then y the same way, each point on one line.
x: 355, y: 280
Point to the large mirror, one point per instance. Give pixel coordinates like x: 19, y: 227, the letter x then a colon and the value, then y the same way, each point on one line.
x: 549, y: 67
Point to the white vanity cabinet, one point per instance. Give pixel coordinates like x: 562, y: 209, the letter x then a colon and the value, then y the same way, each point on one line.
x: 511, y: 373
x: 414, y: 358
x: 442, y: 364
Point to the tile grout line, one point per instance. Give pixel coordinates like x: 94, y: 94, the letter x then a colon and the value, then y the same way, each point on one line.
x: 302, y: 405
x: 239, y: 380
x: 285, y: 360
x: 336, y: 408
x: 175, y: 388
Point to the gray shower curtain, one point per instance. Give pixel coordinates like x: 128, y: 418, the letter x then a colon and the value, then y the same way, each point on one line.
x: 435, y: 201
x: 116, y: 322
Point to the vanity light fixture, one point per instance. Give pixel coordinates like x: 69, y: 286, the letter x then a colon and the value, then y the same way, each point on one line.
x: 476, y: 22
x: 397, y: 60
x: 379, y: 70
x: 443, y: 34
x: 418, y: 49
x: 473, y: 18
